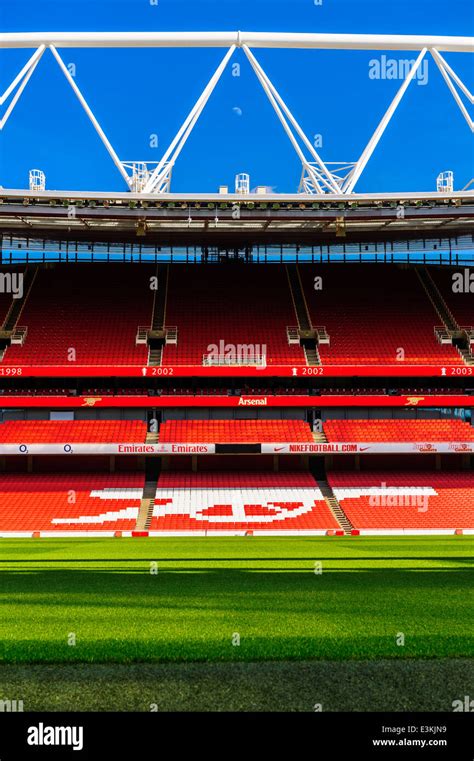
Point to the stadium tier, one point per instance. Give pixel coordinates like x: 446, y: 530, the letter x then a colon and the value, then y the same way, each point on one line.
x: 86, y: 314
x: 372, y: 314
x: 210, y: 304
x: 72, y: 431
x: 70, y: 502
x: 237, y: 500
x: 424, y: 500
x: 229, y: 314
x: 234, y: 431
x: 398, y: 430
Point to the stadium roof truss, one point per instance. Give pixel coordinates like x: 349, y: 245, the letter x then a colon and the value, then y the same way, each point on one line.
x: 318, y: 177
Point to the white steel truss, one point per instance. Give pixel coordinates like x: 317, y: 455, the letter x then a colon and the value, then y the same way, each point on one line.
x: 91, y: 116
x: 320, y: 176
x: 372, y: 144
x: 452, y: 44
x: 21, y: 79
x: 448, y: 76
x: 317, y: 176
x: 160, y: 180
x: 339, y: 170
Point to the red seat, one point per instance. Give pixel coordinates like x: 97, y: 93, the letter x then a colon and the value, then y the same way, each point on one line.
x: 398, y: 430
x: 235, y: 431
x: 92, y: 309
x: 371, y: 312
x: 72, y: 431
x: 236, y: 304
x: 240, y: 501
x: 423, y: 500
x: 30, y: 502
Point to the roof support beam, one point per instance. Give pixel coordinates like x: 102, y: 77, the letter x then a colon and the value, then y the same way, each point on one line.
x: 23, y: 77
x: 374, y: 140
x: 36, y: 55
x: 448, y: 76
x: 325, y: 177
x: 159, y: 180
x: 318, y: 176
x: 91, y: 116
x: 237, y: 38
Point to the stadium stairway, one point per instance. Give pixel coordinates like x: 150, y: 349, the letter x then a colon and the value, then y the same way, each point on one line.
x: 307, y: 333
x: 156, y: 334
x: 9, y: 327
x: 320, y: 437
x: 453, y: 331
x: 335, y: 507
x: 147, y: 503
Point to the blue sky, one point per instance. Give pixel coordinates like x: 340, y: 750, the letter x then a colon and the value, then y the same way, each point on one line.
x: 136, y: 94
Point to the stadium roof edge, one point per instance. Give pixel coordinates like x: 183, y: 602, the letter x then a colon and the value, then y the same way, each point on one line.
x: 238, y: 38
x: 245, y: 198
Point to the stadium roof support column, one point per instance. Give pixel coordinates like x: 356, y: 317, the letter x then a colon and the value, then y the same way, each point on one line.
x: 276, y: 100
x: 374, y: 140
x: 448, y: 76
x: 159, y: 180
x: 91, y: 116
x: 23, y: 76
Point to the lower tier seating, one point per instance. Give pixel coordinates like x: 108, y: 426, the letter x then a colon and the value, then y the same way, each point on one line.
x: 70, y: 502
x: 424, y: 500
x: 72, y: 431
x: 234, y: 431
x: 287, y: 501
x: 398, y: 430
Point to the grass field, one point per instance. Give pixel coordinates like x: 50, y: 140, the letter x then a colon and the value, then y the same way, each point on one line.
x: 241, y: 601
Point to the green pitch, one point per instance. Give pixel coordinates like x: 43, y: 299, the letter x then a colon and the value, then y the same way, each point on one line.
x: 226, y: 603
x: 235, y: 599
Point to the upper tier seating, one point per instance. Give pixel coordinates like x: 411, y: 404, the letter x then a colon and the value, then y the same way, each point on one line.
x: 253, y: 501
x: 72, y: 431
x: 398, y: 430
x: 460, y: 304
x: 410, y: 500
x: 70, y: 502
x: 234, y: 431
x: 88, y: 314
x: 94, y: 309
x: 372, y: 311
x: 234, y: 303
x: 6, y: 297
